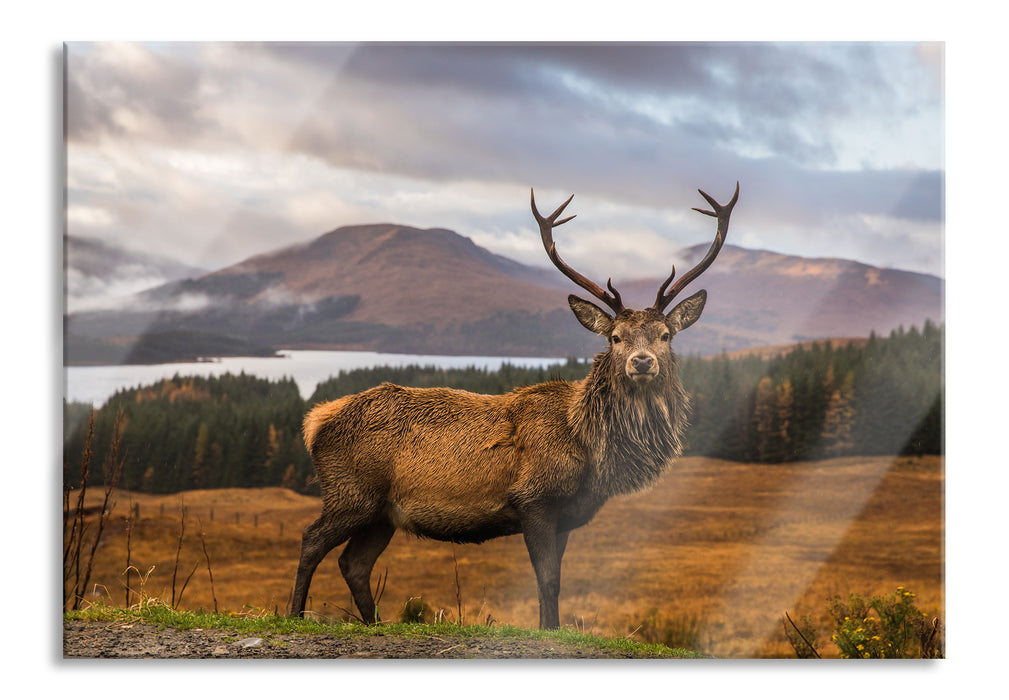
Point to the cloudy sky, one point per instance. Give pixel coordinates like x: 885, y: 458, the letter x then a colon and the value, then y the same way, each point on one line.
x: 212, y: 152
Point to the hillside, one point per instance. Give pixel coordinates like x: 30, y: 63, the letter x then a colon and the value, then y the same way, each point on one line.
x: 400, y: 289
x: 759, y: 298
x: 403, y: 276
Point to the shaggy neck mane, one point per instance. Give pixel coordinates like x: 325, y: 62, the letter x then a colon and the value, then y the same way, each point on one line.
x: 632, y: 433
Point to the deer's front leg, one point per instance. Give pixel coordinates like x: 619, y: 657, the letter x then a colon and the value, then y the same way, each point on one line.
x: 539, y: 529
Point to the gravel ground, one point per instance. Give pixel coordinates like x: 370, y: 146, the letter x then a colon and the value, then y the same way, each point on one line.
x: 118, y: 640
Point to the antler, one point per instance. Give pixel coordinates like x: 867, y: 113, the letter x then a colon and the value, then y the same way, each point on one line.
x: 722, y: 213
x: 547, y: 225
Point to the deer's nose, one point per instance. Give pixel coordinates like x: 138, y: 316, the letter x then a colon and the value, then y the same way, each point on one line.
x: 642, y: 363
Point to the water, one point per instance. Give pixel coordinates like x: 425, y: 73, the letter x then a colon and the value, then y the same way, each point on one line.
x: 307, y: 368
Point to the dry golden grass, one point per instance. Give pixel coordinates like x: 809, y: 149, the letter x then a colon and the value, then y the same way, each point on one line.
x: 721, y: 548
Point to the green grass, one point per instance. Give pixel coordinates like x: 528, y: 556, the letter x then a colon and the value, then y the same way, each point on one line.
x: 266, y: 624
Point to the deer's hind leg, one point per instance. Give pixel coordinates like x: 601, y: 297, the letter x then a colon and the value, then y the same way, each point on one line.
x: 317, y: 541
x: 358, y: 560
x: 341, y: 519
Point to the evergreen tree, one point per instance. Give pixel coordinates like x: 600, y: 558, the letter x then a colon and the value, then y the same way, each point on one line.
x: 763, y: 417
x: 781, y: 439
x: 838, y: 422
x: 201, y: 457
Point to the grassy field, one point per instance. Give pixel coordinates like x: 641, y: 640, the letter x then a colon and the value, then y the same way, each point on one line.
x: 709, y: 559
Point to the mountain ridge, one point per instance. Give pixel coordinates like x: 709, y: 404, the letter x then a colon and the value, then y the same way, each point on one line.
x: 397, y: 288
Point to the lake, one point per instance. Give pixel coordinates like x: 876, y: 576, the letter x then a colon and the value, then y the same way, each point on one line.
x: 307, y: 368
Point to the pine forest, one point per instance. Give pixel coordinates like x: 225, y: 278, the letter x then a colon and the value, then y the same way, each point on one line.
x: 876, y: 396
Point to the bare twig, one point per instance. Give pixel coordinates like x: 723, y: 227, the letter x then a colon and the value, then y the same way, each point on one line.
x: 210, y: 571
x: 112, y: 469
x: 802, y: 636
x: 927, y: 649
x: 178, y: 549
x: 457, y: 646
x: 458, y: 588
x: 186, y: 583
x: 349, y: 613
x: 74, y: 539
x: 130, y: 523
x: 74, y: 542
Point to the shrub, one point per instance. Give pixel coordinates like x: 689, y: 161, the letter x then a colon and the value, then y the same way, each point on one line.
x: 884, y: 627
x: 415, y: 610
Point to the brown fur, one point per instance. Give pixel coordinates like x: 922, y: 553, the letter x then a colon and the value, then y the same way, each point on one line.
x: 463, y: 467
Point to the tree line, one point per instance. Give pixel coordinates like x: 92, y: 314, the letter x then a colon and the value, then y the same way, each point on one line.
x: 876, y: 397
x: 883, y: 395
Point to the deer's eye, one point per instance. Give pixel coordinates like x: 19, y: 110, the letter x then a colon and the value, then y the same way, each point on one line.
x: 615, y: 339
x: 665, y: 337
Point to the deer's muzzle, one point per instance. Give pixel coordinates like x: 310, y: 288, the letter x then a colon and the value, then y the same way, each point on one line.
x: 642, y: 367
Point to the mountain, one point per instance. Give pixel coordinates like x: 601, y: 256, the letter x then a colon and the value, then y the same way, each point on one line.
x: 759, y: 298
x: 402, y: 275
x: 400, y: 289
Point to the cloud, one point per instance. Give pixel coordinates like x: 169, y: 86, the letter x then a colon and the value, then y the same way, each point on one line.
x: 630, y: 122
x: 120, y: 90
x: 221, y: 151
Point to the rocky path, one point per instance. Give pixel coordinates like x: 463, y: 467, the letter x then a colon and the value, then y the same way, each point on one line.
x: 118, y: 640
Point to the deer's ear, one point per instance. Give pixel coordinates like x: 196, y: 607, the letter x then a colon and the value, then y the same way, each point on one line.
x: 687, y: 311
x: 591, y: 316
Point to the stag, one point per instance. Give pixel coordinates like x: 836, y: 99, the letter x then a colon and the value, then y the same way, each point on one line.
x: 541, y: 460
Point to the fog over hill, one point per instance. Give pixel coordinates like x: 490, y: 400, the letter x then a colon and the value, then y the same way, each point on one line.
x: 395, y: 288
x: 99, y: 275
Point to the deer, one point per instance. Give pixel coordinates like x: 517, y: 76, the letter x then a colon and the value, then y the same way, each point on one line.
x: 541, y: 460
